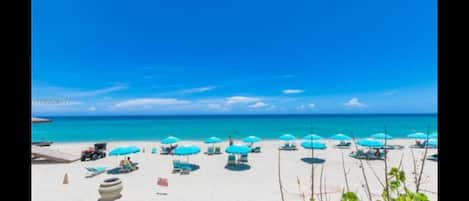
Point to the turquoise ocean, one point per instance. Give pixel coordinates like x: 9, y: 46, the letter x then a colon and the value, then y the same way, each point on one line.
x: 119, y: 128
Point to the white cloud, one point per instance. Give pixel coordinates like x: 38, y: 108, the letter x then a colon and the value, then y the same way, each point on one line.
x: 354, y: 102
x: 96, y: 92
x: 92, y: 109
x: 292, y: 91
x: 240, y: 99
x: 197, y: 90
x: 258, y: 105
x: 146, y: 102
x: 303, y: 107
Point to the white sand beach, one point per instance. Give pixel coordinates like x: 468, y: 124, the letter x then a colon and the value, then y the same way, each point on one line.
x: 213, y: 182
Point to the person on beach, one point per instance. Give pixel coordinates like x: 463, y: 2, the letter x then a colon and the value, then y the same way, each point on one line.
x: 377, y: 153
x: 129, y: 161
x: 230, y: 140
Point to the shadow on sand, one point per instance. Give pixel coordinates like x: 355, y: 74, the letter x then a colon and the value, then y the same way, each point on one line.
x: 238, y: 167
x: 313, y: 160
x: 111, y: 199
x: 194, y: 167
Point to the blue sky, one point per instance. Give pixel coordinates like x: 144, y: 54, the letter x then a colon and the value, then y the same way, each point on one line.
x: 233, y: 57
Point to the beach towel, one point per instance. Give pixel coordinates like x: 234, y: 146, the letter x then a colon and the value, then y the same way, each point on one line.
x: 162, y: 182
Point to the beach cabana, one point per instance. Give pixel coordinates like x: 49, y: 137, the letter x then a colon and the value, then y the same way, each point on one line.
x: 252, y: 139
x: 213, y: 150
x: 288, y: 145
x: 344, y: 140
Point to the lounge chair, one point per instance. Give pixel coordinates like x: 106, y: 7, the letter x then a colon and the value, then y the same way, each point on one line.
x: 243, y: 159
x: 177, y: 167
x: 210, y: 151
x: 186, y: 169
x: 93, y: 171
x: 422, y: 145
x: 217, y: 150
x: 128, y: 168
x: 256, y: 150
x: 393, y: 147
x: 165, y: 151
x: 370, y: 155
x: 433, y: 157
x: 288, y: 146
x: 343, y: 145
x: 231, y: 159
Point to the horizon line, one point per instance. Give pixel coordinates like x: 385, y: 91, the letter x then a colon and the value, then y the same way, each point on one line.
x: 241, y: 114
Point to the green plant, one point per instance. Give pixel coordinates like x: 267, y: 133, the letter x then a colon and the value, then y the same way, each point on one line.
x: 397, y: 189
x: 349, y: 196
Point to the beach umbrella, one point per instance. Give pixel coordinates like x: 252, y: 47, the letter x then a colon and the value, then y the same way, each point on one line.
x: 251, y: 139
x: 124, y: 150
x: 187, y: 149
x: 312, y: 137
x: 381, y: 136
x: 418, y: 135
x: 238, y: 149
x: 170, y: 140
x: 313, y: 145
x: 212, y: 140
x: 434, y: 135
x: 433, y: 142
x: 340, y: 136
x: 287, y: 137
x: 369, y: 142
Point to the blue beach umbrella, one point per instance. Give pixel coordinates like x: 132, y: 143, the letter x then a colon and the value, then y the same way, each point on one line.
x: 238, y: 149
x: 212, y: 140
x: 418, y: 135
x: 340, y: 136
x: 186, y: 150
x: 170, y: 140
x: 312, y: 137
x: 369, y: 142
x: 124, y: 150
x: 251, y: 139
x: 313, y: 145
x: 381, y: 136
x: 287, y: 137
x: 433, y: 142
